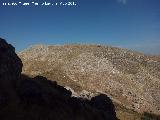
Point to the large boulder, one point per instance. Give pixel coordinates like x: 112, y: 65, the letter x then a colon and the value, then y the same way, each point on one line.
x: 104, y: 104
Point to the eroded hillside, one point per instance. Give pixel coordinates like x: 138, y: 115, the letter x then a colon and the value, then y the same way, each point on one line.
x: 131, y: 79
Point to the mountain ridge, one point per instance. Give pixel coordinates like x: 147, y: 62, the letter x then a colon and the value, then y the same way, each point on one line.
x: 130, y: 77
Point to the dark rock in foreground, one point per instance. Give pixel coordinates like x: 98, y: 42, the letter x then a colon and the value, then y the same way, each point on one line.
x: 25, y: 98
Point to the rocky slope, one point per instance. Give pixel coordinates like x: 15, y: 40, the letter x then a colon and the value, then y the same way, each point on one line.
x: 25, y: 98
x: 129, y: 78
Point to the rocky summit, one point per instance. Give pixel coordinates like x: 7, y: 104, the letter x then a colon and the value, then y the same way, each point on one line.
x: 131, y: 79
x: 26, y: 98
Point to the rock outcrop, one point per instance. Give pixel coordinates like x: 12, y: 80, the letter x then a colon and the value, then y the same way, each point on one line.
x: 25, y: 98
x: 10, y: 71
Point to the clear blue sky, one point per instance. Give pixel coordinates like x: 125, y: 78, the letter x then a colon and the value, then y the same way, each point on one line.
x: 133, y: 24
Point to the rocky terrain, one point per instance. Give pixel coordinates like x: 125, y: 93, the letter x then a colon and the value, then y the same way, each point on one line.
x: 131, y: 79
x: 25, y: 98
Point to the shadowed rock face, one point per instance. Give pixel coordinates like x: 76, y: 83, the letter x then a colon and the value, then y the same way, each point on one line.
x: 103, y: 103
x: 25, y: 98
x: 10, y: 63
x: 10, y: 71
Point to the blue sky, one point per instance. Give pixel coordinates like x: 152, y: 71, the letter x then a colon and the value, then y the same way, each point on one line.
x: 133, y: 24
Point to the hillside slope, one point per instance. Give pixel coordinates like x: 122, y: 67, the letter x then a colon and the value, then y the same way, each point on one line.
x: 131, y: 79
x: 25, y: 98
